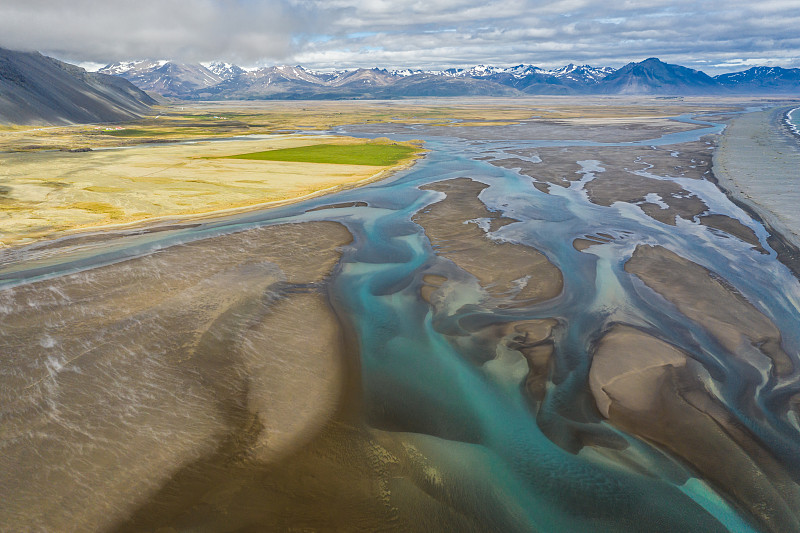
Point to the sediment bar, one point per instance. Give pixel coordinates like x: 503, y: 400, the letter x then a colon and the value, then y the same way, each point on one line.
x: 757, y: 163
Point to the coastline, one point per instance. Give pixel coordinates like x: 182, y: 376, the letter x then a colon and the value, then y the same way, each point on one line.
x: 794, y: 126
x: 756, y: 165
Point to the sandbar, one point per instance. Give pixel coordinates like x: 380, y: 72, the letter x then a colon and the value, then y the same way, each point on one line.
x: 711, y: 301
x: 650, y: 388
x: 515, y: 272
x: 756, y: 163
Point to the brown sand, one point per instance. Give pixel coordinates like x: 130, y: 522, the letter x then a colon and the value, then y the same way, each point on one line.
x: 626, y: 187
x: 609, y: 128
x: 733, y: 227
x: 534, y: 340
x: 559, y: 165
x: 516, y: 272
x: 129, y: 373
x: 210, y: 386
x: 618, y: 182
x: 649, y: 388
x: 706, y: 299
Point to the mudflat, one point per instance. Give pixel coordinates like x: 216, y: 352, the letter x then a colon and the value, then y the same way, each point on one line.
x: 505, y: 270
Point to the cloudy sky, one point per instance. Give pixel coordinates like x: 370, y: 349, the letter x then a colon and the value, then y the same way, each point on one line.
x: 714, y: 36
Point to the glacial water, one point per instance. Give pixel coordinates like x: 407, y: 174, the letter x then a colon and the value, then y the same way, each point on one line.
x: 414, y: 380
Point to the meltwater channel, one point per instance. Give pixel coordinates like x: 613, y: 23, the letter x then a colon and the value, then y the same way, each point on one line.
x: 415, y: 380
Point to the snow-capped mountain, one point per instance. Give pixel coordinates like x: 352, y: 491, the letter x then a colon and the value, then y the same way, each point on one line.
x: 478, y: 71
x: 406, y: 72
x: 763, y: 79
x: 520, y: 71
x: 287, y: 72
x: 124, y: 67
x: 586, y: 74
x: 164, y: 77
x: 219, y: 80
x: 373, y: 77
x: 225, y: 71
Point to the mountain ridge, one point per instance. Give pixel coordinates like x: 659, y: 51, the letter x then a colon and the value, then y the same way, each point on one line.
x: 35, y: 88
x: 648, y: 77
x: 39, y: 89
x: 653, y: 76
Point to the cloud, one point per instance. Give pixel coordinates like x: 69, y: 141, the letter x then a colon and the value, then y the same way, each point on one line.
x: 413, y: 33
x: 691, y: 32
x: 89, y: 30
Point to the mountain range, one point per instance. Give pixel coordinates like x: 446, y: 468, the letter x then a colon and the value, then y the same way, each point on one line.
x: 35, y: 88
x: 38, y: 89
x: 224, y: 81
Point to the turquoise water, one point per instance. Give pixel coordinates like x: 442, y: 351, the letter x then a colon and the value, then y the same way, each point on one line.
x: 415, y: 380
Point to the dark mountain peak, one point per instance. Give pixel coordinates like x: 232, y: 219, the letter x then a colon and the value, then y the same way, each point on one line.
x: 35, y: 88
x: 653, y: 64
x: 653, y: 76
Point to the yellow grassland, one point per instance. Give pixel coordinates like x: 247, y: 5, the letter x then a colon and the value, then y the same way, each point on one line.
x: 47, y: 193
x: 166, y: 165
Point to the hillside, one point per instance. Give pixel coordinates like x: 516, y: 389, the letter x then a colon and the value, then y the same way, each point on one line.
x: 35, y: 89
x: 653, y: 76
x: 762, y: 80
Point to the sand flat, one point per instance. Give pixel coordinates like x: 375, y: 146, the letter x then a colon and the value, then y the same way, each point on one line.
x: 196, y: 354
x: 708, y: 300
x: 504, y: 269
x: 649, y: 388
x: 757, y: 161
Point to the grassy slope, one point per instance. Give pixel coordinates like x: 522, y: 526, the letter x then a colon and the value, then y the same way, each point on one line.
x: 343, y: 154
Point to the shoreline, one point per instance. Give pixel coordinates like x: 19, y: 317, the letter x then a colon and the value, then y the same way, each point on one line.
x: 794, y: 129
x: 755, y: 165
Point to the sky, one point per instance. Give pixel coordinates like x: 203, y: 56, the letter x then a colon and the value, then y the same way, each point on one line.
x: 713, y: 36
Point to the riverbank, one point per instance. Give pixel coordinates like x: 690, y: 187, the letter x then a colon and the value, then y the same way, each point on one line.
x: 757, y: 164
x: 792, y: 121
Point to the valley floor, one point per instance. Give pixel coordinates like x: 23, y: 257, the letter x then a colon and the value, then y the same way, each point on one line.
x: 555, y: 321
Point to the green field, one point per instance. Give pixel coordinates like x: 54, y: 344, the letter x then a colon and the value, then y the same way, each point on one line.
x: 342, y: 154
